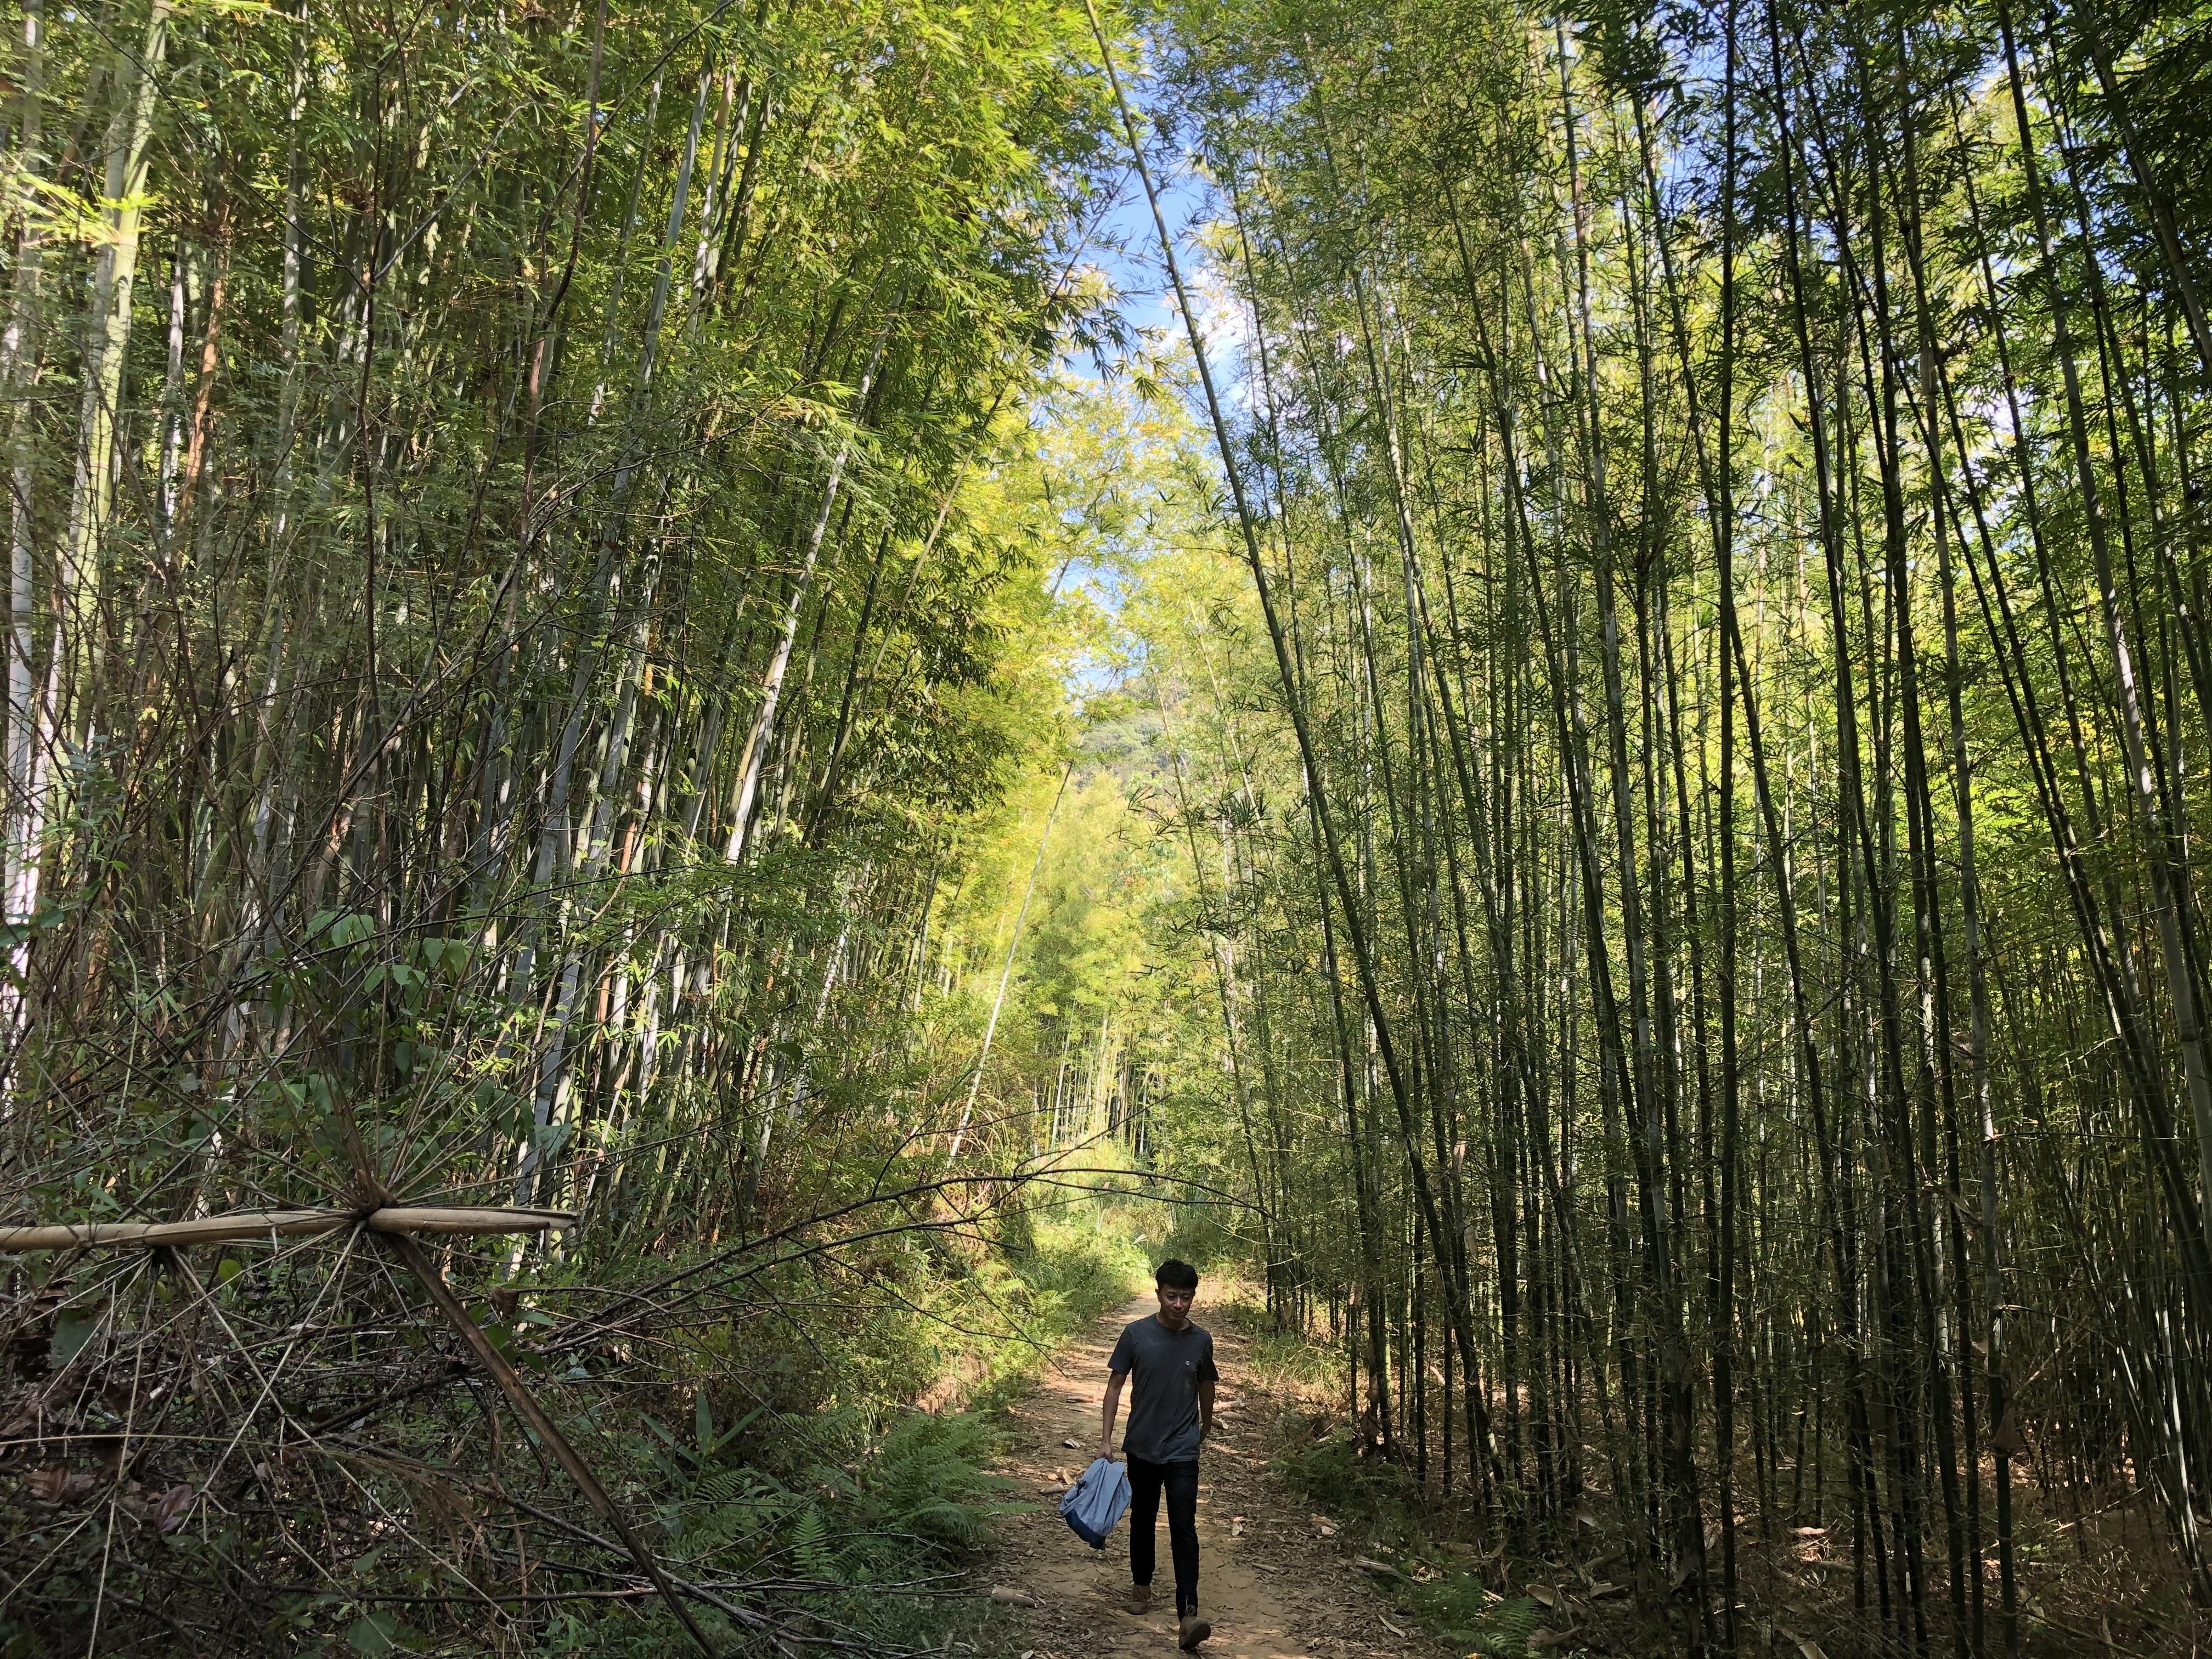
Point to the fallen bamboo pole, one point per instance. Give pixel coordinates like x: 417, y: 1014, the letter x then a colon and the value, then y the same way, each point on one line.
x: 266, y: 1224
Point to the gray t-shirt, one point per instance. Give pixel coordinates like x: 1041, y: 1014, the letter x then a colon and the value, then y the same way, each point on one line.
x: 1163, y: 1400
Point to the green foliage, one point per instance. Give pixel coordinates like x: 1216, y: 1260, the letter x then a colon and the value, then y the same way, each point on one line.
x: 1376, y: 1502
x: 925, y: 1479
x: 1460, y: 1611
x: 864, y: 1502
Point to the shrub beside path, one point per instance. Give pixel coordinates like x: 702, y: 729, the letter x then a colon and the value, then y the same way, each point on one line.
x: 1272, y: 1576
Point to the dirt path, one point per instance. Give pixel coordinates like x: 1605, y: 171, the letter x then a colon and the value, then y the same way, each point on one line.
x: 1271, y: 1576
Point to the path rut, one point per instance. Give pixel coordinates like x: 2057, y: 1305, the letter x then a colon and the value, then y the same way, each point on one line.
x: 1272, y: 1576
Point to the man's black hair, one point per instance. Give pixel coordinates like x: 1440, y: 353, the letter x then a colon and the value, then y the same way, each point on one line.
x: 1177, y: 1275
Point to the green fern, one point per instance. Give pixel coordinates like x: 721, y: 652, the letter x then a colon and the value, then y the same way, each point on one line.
x: 727, y: 1486
x: 927, y: 1478
x: 1458, y: 1607
x: 809, y: 1544
x: 1509, y: 1626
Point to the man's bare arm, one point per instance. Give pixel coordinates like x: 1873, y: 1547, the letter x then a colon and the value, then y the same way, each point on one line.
x: 1205, y: 1410
x: 1110, y: 1411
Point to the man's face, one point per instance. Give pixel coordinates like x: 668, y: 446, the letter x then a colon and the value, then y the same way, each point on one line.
x: 1175, y: 1305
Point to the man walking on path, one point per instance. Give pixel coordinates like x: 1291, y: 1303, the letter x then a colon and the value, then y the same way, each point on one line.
x: 1170, y: 1413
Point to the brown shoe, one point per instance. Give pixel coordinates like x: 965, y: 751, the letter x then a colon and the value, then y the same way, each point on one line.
x: 1140, y: 1600
x: 1193, y: 1631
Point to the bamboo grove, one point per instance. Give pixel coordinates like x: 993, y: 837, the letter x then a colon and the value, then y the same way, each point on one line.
x: 540, y: 655
x: 528, y: 580
x: 1695, y: 821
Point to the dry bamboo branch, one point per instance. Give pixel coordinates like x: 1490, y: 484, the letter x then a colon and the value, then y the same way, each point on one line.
x: 264, y: 1223
x: 526, y: 1406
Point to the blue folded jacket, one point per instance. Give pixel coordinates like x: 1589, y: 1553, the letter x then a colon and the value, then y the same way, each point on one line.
x: 1094, y: 1505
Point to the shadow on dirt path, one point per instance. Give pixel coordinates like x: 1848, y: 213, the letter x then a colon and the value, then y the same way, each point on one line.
x: 1271, y: 1577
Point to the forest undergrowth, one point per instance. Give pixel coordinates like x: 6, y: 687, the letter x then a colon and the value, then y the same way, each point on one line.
x: 850, y: 1457
x: 2092, y: 1572
x: 829, y: 1449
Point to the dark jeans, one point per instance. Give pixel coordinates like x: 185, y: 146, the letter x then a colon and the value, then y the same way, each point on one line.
x: 1180, y: 1481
